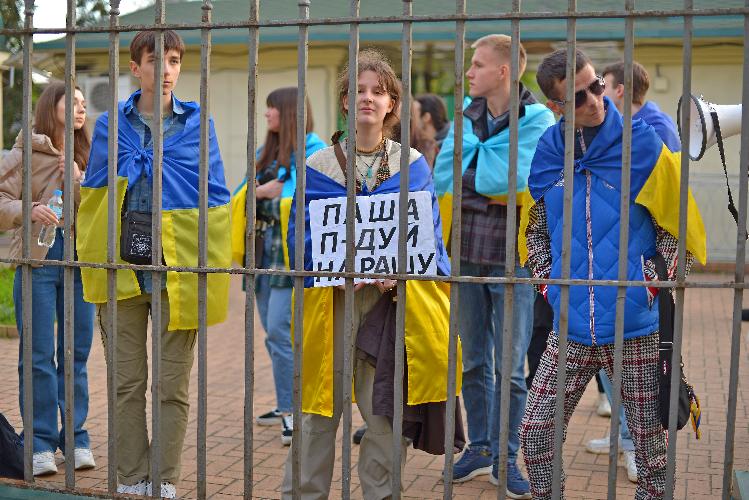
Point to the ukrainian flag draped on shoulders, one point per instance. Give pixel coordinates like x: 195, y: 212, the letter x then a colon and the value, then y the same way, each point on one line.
x: 179, y: 225
x: 492, y: 158
x: 287, y: 175
x: 427, y: 302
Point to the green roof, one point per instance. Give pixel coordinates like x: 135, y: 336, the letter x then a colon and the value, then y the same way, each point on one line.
x: 541, y: 29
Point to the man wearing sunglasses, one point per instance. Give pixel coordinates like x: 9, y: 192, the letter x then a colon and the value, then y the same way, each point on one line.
x: 594, y: 255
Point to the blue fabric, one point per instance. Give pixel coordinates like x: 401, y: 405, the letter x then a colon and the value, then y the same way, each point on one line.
x: 664, y: 126
x: 48, y: 354
x: 492, y: 155
x: 180, y: 175
x: 603, y: 160
x: 140, y: 193
x: 624, y: 436
x: 274, y: 309
x: 481, y: 317
x: 320, y: 186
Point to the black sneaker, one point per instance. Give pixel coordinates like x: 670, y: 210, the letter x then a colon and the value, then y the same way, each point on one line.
x: 359, y: 434
x: 287, y: 422
x: 273, y: 417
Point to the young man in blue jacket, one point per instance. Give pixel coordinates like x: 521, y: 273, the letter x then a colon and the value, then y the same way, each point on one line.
x: 595, y: 253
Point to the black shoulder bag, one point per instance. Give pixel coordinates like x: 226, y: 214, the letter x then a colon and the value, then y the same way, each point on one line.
x: 689, y: 405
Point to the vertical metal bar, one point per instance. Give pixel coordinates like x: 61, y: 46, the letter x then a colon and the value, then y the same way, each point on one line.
x: 348, y: 321
x: 28, y: 398
x: 681, y: 256
x: 739, y: 276
x: 400, y: 317
x: 28, y: 389
x: 455, y: 231
x: 569, y: 158
x: 510, y: 251
x: 157, y: 277
x: 249, y: 304
x: 621, y: 292
x: 68, y: 214
x: 205, y: 74
x: 113, y: 211
x: 301, y: 164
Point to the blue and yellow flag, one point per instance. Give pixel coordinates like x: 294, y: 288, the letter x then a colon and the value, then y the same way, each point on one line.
x: 239, y: 201
x: 179, y: 228
x: 492, y: 159
x: 427, y: 306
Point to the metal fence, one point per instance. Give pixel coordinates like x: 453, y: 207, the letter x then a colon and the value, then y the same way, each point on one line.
x: 253, y: 24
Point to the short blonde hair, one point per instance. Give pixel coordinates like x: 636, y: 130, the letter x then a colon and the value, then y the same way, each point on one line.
x: 502, y: 46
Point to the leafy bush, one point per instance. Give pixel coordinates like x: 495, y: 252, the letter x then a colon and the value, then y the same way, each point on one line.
x: 7, y: 313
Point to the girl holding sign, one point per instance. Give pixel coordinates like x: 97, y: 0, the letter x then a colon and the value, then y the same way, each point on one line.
x: 378, y: 161
x: 276, y: 181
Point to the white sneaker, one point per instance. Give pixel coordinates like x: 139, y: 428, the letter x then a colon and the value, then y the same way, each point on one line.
x: 601, y: 446
x: 287, y: 423
x: 84, y: 459
x: 604, y: 408
x: 138, y: 488
x: 168, y: 490
x: 631, y: 465
x: 44, y: 463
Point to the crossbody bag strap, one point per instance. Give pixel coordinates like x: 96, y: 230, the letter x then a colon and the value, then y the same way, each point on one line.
x: 336, y: 140
x: 665, y: 304
x: 721, y: 150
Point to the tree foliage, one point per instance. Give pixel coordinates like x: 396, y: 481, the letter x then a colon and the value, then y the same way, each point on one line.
x: 90, y: 12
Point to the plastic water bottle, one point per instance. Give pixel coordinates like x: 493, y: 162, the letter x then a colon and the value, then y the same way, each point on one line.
x: 47, y: 234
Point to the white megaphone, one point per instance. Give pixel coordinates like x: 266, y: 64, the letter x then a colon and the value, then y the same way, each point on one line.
x: 702, y: 124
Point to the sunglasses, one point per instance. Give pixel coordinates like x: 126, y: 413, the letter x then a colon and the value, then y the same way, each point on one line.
x: 581, y: 96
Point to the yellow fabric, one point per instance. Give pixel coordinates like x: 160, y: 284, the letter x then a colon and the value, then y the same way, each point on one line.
x: 179, y: 240
x: 91, y: 245
x: 179, y: 237
x: 427, y: 333
x: 660, y: 195
x: 285, y: 210
x: 238, y: 225
x: 522, y: 240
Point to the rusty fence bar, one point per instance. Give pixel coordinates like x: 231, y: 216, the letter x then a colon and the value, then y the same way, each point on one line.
x: 68, y: 216
x: 249, y: 279
x: 112, y: 210
x: 249, y: 272
x: 739, y: 277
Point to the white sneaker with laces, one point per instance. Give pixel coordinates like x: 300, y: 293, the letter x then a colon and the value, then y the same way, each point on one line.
x: 168, y: 490
x: 631, y: 465
x: 44, y: 463
x: 601, y: 446
x: 604, y: 408
x: 287, y: 432
x: 138, y: 488
x: 84, y: 459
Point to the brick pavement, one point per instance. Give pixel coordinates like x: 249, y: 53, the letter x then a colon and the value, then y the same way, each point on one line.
x: 700, y: 463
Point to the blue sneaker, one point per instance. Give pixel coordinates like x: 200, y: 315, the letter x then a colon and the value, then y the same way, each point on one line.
x: 474, y: 462
x: 517, y: 485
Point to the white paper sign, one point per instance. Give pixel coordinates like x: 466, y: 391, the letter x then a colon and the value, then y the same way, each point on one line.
x: 376, y: 236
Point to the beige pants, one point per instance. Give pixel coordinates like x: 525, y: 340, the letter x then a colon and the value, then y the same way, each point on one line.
x: 177, y: 353
x: 317, y: 454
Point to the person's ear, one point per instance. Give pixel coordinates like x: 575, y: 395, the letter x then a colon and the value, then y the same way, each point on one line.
x: 426, y: 118
x: 619, y: 92
x: 345, y: 102
x: 392, y: 106
x: 135, y: 69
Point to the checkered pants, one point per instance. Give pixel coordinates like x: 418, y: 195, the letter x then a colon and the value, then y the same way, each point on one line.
x: 639, y: 396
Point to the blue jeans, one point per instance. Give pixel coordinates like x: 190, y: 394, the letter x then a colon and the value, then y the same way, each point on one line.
x: 48, y: 356
x: 274, y: 308
x: 481, y: 326
x: 624, y: 435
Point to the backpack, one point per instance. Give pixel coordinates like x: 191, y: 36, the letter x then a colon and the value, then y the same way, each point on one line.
x: 11, y: 451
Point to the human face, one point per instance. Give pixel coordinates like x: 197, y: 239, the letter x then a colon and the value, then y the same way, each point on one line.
x: 144, y: 71
x: 79, y: 111
x: 485, y: 73
x: 273, y: 119
x: 613, y: 91
x: 373, y: 101
x: 591, y: 113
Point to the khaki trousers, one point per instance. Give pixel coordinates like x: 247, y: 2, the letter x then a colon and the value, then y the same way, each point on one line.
x: 177, y: 353
x: 317, y: 454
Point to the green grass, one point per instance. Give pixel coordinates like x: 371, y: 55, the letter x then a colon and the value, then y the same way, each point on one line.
x: 7, y: 314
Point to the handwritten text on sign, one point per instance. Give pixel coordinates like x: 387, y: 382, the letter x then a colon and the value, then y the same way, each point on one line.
x: 376, y: 235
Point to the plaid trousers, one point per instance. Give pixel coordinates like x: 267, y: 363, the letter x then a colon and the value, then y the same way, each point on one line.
x: 639, y: 396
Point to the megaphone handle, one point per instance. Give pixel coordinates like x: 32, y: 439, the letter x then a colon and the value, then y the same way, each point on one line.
x: 719, y: 137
